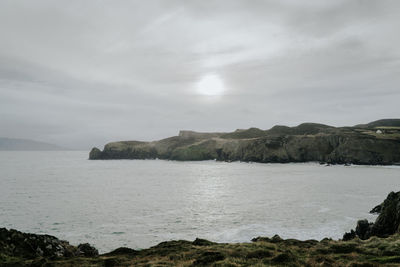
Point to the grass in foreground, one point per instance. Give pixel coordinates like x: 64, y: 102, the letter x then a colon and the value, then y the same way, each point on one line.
x: 261, y: 252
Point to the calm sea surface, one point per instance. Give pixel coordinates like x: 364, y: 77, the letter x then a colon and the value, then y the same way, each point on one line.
x: 139, y: 203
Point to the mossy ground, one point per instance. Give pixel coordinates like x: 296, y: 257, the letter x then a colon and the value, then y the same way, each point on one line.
x: 262, y: 252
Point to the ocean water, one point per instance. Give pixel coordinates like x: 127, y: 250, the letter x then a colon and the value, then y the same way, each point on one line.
x: 139, y: 203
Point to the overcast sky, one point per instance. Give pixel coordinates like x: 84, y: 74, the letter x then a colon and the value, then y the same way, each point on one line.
x: 83, y: 73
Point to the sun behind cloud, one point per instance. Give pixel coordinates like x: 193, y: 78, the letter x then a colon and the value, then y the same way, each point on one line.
x: 210, y: 85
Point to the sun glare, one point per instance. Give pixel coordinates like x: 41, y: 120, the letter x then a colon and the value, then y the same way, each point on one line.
x: 210, y: 85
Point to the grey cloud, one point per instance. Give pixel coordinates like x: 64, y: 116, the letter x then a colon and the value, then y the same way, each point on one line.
x: 81, y: 73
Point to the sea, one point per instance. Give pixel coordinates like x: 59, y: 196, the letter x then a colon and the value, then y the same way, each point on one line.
x: 140, y: 203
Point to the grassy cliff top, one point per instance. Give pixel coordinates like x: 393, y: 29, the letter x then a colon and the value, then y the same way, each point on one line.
x: 307, y: 128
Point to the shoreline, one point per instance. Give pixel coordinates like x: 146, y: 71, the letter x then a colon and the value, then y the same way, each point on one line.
x: 251, y: 162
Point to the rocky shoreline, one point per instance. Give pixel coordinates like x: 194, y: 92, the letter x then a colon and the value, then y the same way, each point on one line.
x: 371, y: 244
x: 375, y: 143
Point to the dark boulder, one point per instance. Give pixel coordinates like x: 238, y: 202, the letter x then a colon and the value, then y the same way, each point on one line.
x: 202, y: 242
x: 363, y: 229
x: 276, y: 239
x: 95, y: 153
x: 29, y: 246
x: 349, y: 236
x: 87, y: 250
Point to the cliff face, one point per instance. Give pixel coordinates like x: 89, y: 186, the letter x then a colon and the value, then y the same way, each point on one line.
x: 306, y: 142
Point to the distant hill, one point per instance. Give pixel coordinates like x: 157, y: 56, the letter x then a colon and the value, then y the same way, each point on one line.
x: 381, y: 123
x: 26, y: 144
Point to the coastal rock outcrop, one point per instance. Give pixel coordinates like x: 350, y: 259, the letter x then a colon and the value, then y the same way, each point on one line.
x: 88, y: 250
x: 14, y: 243
x: 386, y: 224
x: 95, y: 153
x: 361, y: 144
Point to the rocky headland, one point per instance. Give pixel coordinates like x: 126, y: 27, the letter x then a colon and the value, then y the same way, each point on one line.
x: 375, y: 143
x: 371, y: 244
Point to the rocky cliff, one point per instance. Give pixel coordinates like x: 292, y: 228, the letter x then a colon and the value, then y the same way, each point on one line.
x: 387, y: 223
x: 361, y: 144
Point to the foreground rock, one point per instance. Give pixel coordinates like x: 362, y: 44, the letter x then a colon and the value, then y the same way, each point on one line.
x: 15, y: 244
x: 387, y: 223
x: 374, y: 143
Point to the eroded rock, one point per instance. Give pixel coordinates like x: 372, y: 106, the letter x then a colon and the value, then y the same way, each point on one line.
x: 88, y: 250
x: 17, y: 244
x: 386, y: 224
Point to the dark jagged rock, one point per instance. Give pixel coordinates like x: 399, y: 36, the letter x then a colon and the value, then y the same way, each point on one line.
x: 349, y: 236
x: 261, y: 239
x: 87, y: 250
x: 202, y: 242
x: 388, y: 221
x: 363, y: 229
x: 17, y: 244
x: 281, y: 144
x: 377, y: 209
x: 386, y: 224
x: 276, y: 239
